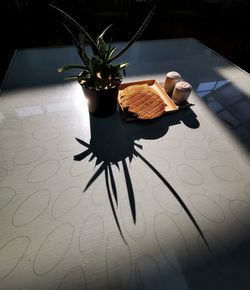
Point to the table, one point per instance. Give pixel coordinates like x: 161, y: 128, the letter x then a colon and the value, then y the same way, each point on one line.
x: 154, y: 205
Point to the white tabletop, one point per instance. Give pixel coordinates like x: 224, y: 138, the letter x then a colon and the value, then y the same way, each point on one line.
x: 188, y: 173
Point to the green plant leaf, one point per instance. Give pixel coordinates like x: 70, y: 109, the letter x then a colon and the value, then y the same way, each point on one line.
x: 104, y: 31
x: 79, y: 27
x: 70, y: 66
x: 123, y: 65
x: 96, y: 69
x: 92, y: 69
x: 102, y: 47
x: 137, y: 34
x: 85, y: 77
x: 111, y: 53
x: 71, y: 78
x: 109, y: 47
x: 80, y: 50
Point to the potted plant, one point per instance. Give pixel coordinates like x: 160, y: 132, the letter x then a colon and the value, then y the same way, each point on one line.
x: 99, y: 76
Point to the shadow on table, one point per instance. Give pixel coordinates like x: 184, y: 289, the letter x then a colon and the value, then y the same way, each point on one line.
x: 230, y: 105
x: 226, y: 268
x: 113, y: 141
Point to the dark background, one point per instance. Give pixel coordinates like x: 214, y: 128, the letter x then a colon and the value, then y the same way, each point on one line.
x: 222, y: 25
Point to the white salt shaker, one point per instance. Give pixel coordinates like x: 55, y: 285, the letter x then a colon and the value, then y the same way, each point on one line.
x: 181, y: 92
x: 172, y: 78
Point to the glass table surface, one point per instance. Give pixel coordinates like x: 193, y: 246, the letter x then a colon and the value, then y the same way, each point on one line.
x: 101, y: 203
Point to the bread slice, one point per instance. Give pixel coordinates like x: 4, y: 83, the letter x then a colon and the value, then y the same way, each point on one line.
x: 142, y: 102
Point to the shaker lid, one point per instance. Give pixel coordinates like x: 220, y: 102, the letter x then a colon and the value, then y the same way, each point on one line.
x: 173, y: 75
x: 183, y: 86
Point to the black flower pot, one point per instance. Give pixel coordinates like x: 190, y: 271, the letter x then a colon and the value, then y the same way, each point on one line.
x: 101, y: 103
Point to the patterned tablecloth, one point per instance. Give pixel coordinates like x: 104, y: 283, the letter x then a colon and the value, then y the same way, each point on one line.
x: 152, y: 205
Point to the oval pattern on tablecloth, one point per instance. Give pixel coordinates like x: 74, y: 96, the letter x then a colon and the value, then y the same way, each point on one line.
x: 13, y: 142
x: 118, y: 263
x: 221, y: 145
x: 53, y: 249
x: 91, y: 235
x: 11, y: 254
x: 137, y: 230
x: 40, y: 119
x: 3, y: 173
x: 138, y: 180
x: 29, y: 155
x: 207, y: 207
x: 196, y: 153
x: 10, y: 123
x: 68, y: 144
x: 43, y: 171
x: 99, y: 194
x: 46, y: 134
x: 219, y: 257
x: 78, y: 169
x: 226, y: 173
x: 170, y: 144
x: 193, y: 135
x: 148, y: 274
x: 6, y: 196
x: 75, y: 279
x: 66, y: 201
x: 171, y: 242
x: 189, y: 174
x: 166, y: 200
x: 6, y: 133
x: 161, y: 164
x: 31, y: 208
x: 241, y: 211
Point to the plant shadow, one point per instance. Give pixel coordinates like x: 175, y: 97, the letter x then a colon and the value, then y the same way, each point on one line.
x: 113, y: 143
